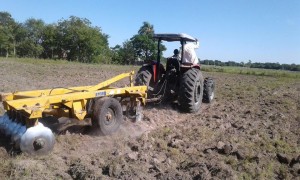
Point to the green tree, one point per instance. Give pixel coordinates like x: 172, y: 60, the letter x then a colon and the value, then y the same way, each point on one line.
x: 19, y: 35
x: 145, y: 47
x: 79, y: 41
x: 31, y: 46
x: 127, y: 53
x: 116, y: 54
x: 248, y: 64
x: 50, y: 41
x: 146, y: 29
x: 5, y: 43
x: 7, y: 36
x: 242, y: 64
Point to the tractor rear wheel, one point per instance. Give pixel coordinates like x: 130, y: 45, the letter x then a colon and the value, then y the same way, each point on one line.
x: 209, y: 90
x: 144, y: 78
x: 107, y: 116
x: 191, y: 90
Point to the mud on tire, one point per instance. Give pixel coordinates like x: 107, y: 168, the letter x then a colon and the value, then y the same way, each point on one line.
x: 107, y: 116
x: 191, y: 90
x: 209, y: 90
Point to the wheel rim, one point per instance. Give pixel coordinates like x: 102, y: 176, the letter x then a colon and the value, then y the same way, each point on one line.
x: 39, y: 143
x: 211, y: 97
x: 197, y: 92
x: 110, y: 117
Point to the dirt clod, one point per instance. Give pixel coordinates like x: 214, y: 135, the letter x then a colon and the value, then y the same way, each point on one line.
x: 282, y: 158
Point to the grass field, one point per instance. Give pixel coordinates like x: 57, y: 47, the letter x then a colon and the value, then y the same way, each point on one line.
x: 251, y: 71
x: 206, y: 68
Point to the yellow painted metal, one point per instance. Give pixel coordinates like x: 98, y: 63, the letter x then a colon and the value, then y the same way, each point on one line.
x: 78, y: 110
x: 36, y: 113
x: 45, y: 101
x: 110, y: 81
x: 58, y: 91
x: 69, y: 101
x: 40, y: 93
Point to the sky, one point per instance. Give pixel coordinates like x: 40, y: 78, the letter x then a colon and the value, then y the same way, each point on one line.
x: 228, y: 30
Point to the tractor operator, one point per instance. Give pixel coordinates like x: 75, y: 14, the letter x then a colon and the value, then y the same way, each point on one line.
x: 176, y: 53
x: 189, y: 55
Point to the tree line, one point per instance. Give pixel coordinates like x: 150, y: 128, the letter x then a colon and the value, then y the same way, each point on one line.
x: 75, y: 39
x: 249, y: 64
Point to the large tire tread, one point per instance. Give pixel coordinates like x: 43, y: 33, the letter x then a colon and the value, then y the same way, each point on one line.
x: 186, y: 98
x: 144, y: 76
x: 209, y: 90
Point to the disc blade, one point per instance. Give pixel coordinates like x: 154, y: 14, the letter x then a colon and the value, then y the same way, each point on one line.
x: 37, y: 140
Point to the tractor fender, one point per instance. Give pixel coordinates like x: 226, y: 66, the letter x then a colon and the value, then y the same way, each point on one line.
x: 154, y: 68
x: 189, y: 65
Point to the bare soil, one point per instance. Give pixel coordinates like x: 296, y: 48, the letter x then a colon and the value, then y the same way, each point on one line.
x: 250, y: 131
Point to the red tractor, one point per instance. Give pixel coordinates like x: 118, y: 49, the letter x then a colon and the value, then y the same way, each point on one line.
x: 181, y: 82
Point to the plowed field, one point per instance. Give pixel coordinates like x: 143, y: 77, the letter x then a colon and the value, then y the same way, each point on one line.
x: 251, y: 130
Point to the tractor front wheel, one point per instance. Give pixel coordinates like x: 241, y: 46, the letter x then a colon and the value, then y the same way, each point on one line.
x: 209, y: 90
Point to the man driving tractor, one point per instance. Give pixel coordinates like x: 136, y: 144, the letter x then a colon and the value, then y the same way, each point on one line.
x: 181, y: 80
x: 189, y: 55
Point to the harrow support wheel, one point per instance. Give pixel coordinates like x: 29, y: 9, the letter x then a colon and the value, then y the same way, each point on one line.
x: 107, y: 116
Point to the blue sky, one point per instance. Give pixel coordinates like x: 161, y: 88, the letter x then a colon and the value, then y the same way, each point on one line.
x: 238, y: 30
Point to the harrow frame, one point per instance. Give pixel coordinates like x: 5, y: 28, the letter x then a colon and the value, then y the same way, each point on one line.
x: 72, y: 102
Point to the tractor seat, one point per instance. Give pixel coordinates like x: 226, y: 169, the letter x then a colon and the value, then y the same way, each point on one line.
x: 172, y: 62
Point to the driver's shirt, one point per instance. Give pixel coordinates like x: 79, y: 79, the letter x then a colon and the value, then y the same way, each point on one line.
x: 189, y: 55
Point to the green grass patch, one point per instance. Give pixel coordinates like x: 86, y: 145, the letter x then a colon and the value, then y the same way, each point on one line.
x: 251, y: 71
x: 207, y: 68
x: 35, y: 61
x: 45, y: 62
